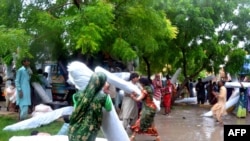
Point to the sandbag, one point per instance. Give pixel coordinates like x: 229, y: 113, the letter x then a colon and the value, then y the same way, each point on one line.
x: 41, y: 109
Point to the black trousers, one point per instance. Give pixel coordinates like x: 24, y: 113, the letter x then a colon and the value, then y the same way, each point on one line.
x: 200, y: 98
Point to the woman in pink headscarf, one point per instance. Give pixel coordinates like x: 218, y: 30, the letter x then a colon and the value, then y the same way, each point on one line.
x: 157, y: 84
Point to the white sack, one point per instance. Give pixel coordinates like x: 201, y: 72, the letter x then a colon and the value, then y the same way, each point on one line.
x: 79, y: 74
x: 235, y: 93
x: 187, y: 100
x: 42, y: 119
x: 41, y: 109
x: 158, y: 104
x: 229, y: 103
x: 118, y: 82
x: 236, y: 84
x: 175, y: 76
x: 45, y: 138
x: 122, y: 75
x: 41, y: 92
x: 233, y: 99
x: 208, y: 78
x: 112, y: 127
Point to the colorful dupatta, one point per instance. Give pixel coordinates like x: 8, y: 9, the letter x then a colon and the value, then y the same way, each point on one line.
x: 86, y: 119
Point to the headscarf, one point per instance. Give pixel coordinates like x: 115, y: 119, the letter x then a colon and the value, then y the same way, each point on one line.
x: 84, y: 99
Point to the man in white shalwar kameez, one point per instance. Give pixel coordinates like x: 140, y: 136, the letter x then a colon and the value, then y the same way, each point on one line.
x: 129, y: 108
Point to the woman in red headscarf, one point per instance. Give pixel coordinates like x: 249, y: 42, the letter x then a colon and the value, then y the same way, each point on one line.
x: 168, y: 91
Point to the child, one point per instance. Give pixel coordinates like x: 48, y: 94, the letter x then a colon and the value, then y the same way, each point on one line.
x: 10, y: 96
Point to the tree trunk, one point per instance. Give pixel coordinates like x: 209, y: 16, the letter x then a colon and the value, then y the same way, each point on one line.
x: 148, y: 67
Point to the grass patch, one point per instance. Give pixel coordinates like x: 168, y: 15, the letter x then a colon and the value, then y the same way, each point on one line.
x: 51, y: 128
x: 5, y: 120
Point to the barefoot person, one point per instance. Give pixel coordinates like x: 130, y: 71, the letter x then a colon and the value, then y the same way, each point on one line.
x: 145, y: 123
x: 219, y: 109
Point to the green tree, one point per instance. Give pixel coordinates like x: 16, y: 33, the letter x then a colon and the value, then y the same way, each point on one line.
x: 143, y: 31
x: 128, y: 30
x: 194, y: 35
x: 208, y: 32
x: 45, y: 28
x: 13, y: 41
x: 10, y: 13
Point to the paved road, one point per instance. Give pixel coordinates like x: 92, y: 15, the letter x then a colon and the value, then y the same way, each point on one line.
x: 185, y: 123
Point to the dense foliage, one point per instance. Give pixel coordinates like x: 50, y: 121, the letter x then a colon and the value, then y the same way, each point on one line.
x: 154, y: 36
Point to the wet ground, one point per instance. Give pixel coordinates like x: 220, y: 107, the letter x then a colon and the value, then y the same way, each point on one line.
x: 185, y: 123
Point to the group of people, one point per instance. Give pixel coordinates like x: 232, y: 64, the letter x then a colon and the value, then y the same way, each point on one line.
x: 136, y: 112
x: 220, y: 95
x: 18, y: 92
x: 164, y: 93
x: 154, y: 92
x: 219, y: 108
x: 84, y: 124
x: 242, y: 108
x: 85, y: 121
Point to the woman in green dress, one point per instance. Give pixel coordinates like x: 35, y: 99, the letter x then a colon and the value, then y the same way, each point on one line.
x: 241, y: 107
x: 86, y: 120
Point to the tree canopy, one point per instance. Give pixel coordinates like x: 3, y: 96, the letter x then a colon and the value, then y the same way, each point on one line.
x: 194, y: 35
x: 208, y: 32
